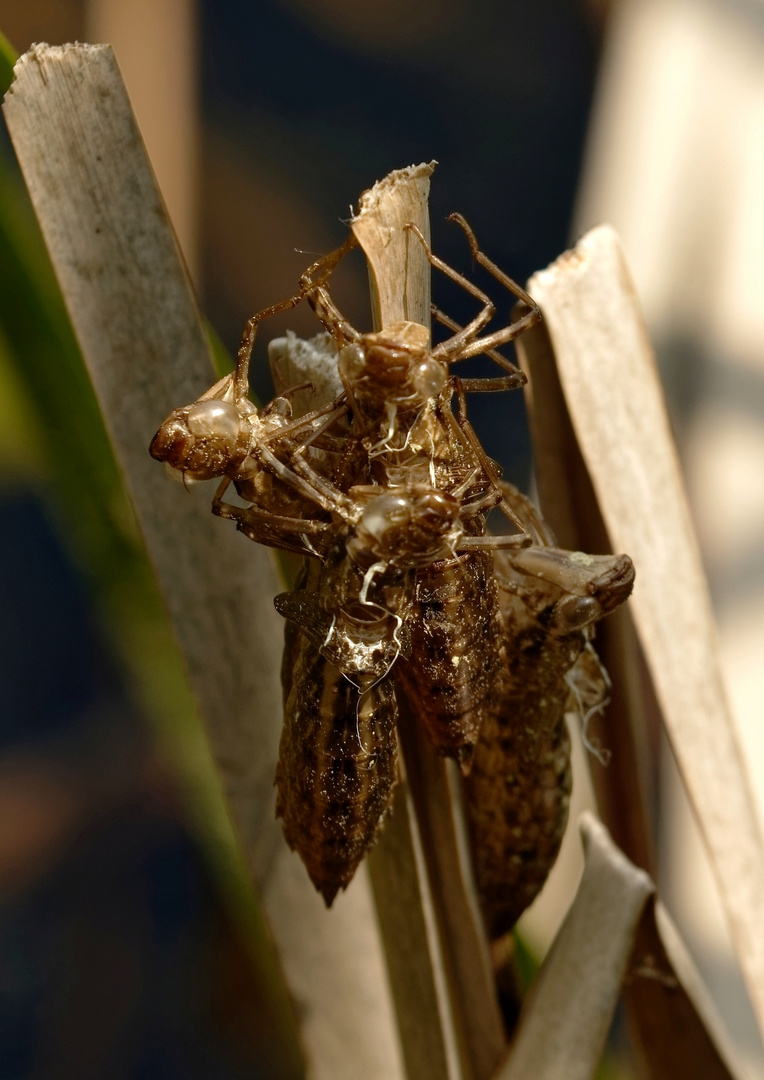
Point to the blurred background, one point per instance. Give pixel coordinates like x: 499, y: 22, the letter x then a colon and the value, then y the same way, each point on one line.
x: 264, y: 122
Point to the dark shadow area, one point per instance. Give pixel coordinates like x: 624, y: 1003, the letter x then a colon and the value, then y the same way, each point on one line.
x: 116, y: 957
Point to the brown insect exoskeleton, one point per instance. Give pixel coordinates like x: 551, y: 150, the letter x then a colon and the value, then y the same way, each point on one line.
x: 456, y: 653
x: 395, y: 382
x: 518, y: 790
x: 402, y: 426
x: 346, y: 627
x: 353, y: 617
x: 388, y: 488
x: 387, y: 376
x: 455, y: 657
x: 223, y: 434
x: 336, y: 769
x: 399, y: 393
x: 337, y: 757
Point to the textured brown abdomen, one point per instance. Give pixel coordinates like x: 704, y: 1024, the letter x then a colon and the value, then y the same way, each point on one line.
x: 517, y: 797
x: 452, y: 674
x: 337, y: 768
x: 518, y: 792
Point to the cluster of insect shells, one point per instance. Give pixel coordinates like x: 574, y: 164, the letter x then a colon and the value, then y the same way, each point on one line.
x: 403, y: 593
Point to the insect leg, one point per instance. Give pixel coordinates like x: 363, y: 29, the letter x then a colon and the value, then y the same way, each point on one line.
x: 316, y: 289
x: 305, y: 480
x: 447, y: 350
x: 217, y: 502
x: 247, y: 343
x: 494, y: 543
x: 264, y: 527
x: 319, y: 271
x: 510, y: 382
x: 487, y: 264
x: 527, y: 513
x: 482, y: 457
x: 253, y: 516
x: 312, y: 285
x: 331, y: 497
x: 330, y: 413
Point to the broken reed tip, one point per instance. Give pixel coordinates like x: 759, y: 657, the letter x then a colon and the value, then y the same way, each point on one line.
x: 369, y: 199
x: 41, y: 50
x: 398, y: 268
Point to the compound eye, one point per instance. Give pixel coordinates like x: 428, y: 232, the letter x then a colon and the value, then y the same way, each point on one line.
x: 429, y: 378
x: 575, y: 612
x: 214, y: 420
x: 383, y: 513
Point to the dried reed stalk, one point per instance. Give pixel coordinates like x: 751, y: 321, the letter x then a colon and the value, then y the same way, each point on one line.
x: 608, y: 374
x: 142, y: 338
x: 608, y: 469
x: 399, y: 276
x: 614, y: 932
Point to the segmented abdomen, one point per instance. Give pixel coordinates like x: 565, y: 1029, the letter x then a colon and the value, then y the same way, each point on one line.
x: 336, y: 770
x: 452, y: 674
x: 518, y: 791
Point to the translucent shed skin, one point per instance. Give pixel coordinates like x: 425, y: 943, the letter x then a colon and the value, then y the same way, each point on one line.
x: 337, y: 767
x: 518, y: 791
x: 348, y: 623
x: 456, y: 654
x: 386, y: 489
